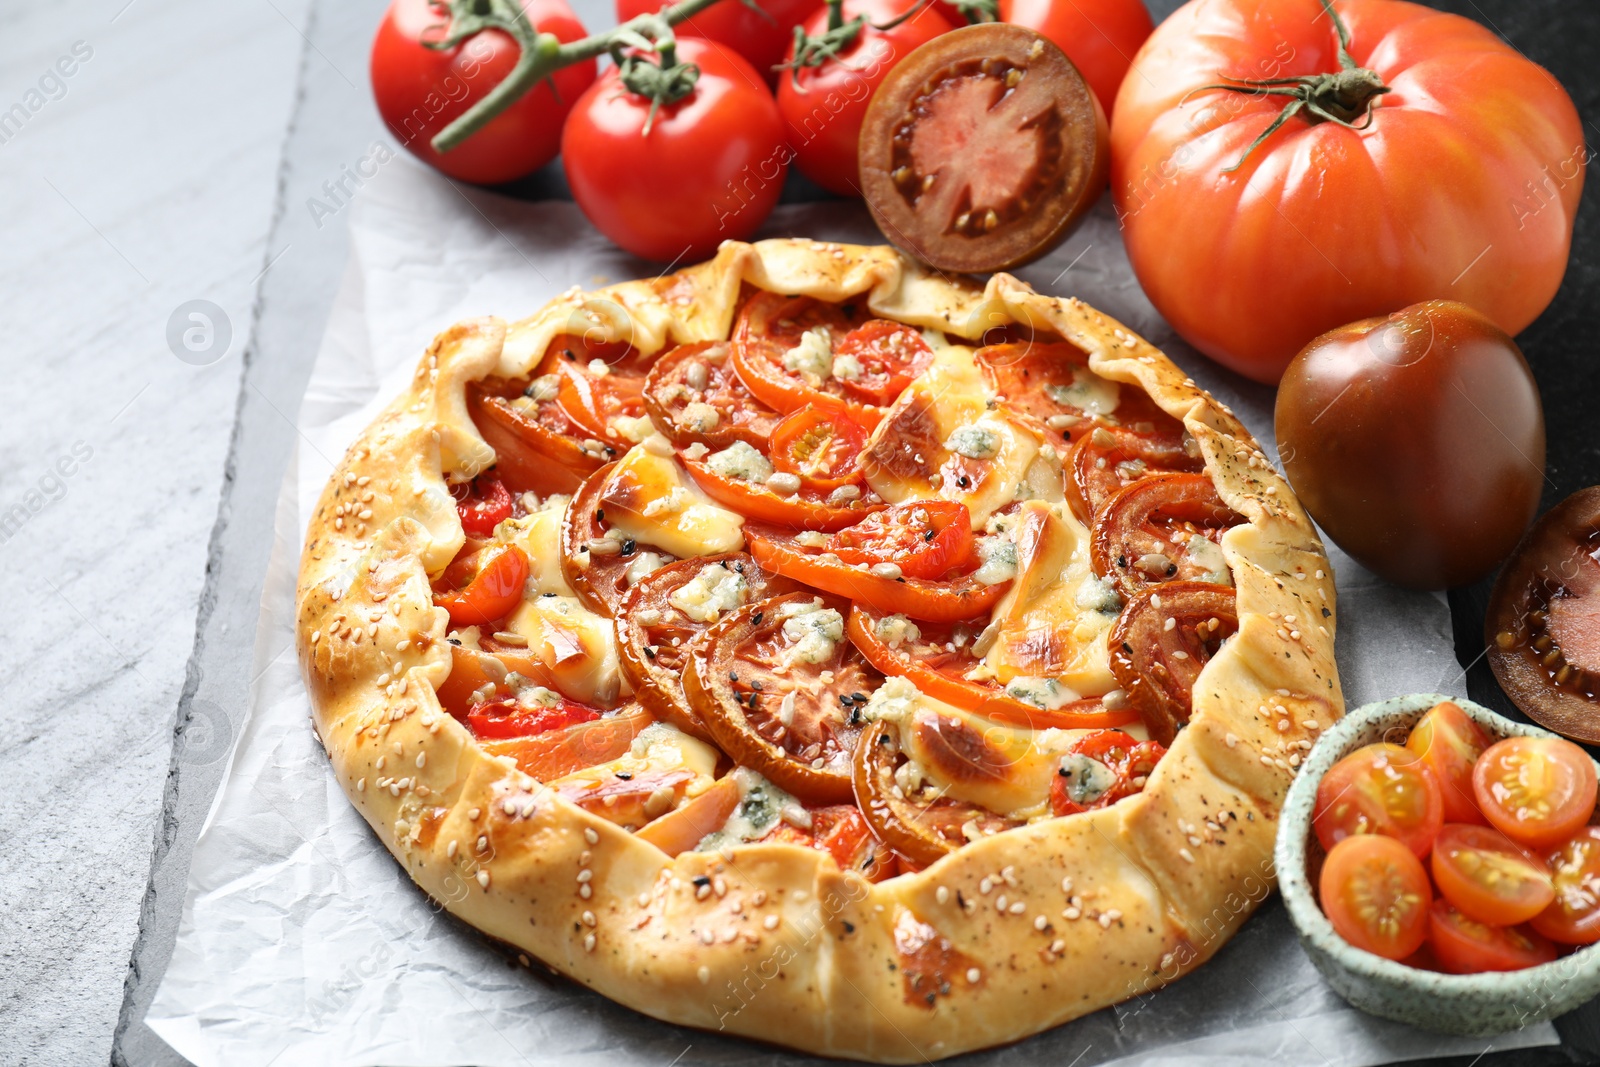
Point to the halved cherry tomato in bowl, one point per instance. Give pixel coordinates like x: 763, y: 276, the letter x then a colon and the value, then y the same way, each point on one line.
x: 1379, y: 789
x: 822, y: 447
x: 1573, y: 918
x: 1129, y: 761
x: 1450, y: 742
x: 1466, y: 946
x: 1163, y: 639
x: 1489, y: 877
x: 1536, y: 790
x: 493, y: 591
x: 1376, y: 894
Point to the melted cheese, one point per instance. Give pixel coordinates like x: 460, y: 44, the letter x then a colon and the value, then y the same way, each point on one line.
x: 682, y: 765
x: 1047, y: 628
x: 762, y: 806
x: 651, y: 499
x: 538, y: 534
x: 942, y: 439
x: 578, y: 646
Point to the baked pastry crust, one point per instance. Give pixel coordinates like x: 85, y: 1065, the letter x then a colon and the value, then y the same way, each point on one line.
x: 785, y: 947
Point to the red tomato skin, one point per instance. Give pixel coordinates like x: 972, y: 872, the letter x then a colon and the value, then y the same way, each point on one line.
x: 762, y: 39
x: 1508, y: 906
x: 1578, y: 805
x: 823, y: 114
x: 1440, y: 180
x: 420, y: 91
x: 1099, y: 36
x: 1465, y: 946
x: 1573, y: 918
x: 1448, y: 741
x: 709, y: 171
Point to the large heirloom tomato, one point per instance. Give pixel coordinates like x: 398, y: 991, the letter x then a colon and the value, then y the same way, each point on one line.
x: 1441, y: 164
x: 1099, y: 36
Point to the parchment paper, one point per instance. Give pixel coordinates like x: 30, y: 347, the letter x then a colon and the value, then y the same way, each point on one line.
x: 303, y: 943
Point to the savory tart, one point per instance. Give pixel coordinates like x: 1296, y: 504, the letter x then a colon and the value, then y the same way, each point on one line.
x: 808, y: 646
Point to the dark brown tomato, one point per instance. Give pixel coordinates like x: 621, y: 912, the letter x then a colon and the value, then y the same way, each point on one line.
x: 537, y: 448
x: 1416, y: 441
x: 1157, y: 666
x: 795, y: 722
x: 700, y: 374
x: 594, y: 558
x: 982, y: 149
x: 922, y: 827
x: 1107, y: 459
x: 1543, y: 626
x: 1141, y: 536
x: 653, y: 635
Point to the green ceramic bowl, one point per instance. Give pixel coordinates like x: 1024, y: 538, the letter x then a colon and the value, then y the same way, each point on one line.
x: 1470, y: 1004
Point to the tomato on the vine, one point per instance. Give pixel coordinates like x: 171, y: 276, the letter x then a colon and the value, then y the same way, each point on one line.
x: 759, y: 30
x: 421, y: 90
x: 823, y: 103
x: 707, y: 168
x: 1099, y: 36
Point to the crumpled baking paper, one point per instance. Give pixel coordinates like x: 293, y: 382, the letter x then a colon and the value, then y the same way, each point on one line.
x: 303, y: 943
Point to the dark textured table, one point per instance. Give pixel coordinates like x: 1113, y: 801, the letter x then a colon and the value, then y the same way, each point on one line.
x: 316, y: 66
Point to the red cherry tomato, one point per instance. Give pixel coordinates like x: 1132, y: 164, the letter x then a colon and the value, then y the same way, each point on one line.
x: 1099, y: 36
x: 508, y: 718
x: 1535, y: 790
x: 822, y: 447
x: 759, y: 30
x: 1466, y: 946
x: 421, y: 90
x: 1489, y: 877
x: 1573, y: 918
x: 1450, y: 742
x: 924, y: 538
x: 1380, y: 789
x: 1130, y: 761
x: 1376, y: 895
x: 709, y: 170
x: 483, y: 505
x: 890, y: 354
x: 823, y: 105
x: 493, y: 591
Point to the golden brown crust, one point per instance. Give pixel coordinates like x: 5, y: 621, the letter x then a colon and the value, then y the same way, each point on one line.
x: 1042, y: 924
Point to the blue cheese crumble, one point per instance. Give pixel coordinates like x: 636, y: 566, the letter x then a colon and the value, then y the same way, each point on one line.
x: 974, y: 441
x: 997, y: 560
x: 812, y: 357
x: 1088, y: 392
x: 740, y: 461
x: 896, y: 630
x: 708, y: 594
x: 813, y: 631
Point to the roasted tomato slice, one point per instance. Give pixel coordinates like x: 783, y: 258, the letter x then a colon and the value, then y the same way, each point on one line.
x: 783, y: 367
x: 594, y: 560
x: 506, y: 717
x: 959, y: 597
x: 1376, y: 894
x: 775, y: 683
x: 693, y: 395
x: 1535, y: 790
x: 983, y: 149
x: 1573, y: 918
x: 1488, y: 876
x: 482, y: 504
x: 875, y: 361
x: 1050, y: 384
x: 937, y: 656
x: 1379, y: 789
x: 842, y: 831
x: 1466, y: 946
x: 916, y: 539
x: 492, y: 592
x: 1163, y: 639
x: 822, y: 448
x: 659, y: 618
x: 558, y: 753
x: 537, y: 448
x: 799, y: 507
x: 1107, y: 459
x: 476, y: 677
x: 681, y: 829
x: 921, y: 826
x: 1450, y: 742
x: 1100, y: 769
x: 1163, y: 529
x: 1543, y: 624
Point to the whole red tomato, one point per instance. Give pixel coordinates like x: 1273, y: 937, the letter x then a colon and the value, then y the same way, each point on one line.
x: 761, y: 36
x: 1099, y: 36
x: 823, y: 105
x: 422, y: 90
x: 709, y: 170
x: 1460, y: 182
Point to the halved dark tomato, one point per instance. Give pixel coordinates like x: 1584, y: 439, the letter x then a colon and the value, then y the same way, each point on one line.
x: 769, y: 326
x: 693, y: 394
x: 923, y: 827
x: 823, y: 448
x: 653, y: 635
x: 806, y: 509
x: 982, y: 149
x: 482, y: 504
x: 1376, y: 894
x: 777, y: 694
x: 1466, y: 946
x: 949, y: 600
x: 938, y: 659
x: 493, y: 591
x: 842, y: 831
x: 507, y: 717
x: 1107, y: 459
x: 884, y: 357
x: 1543, y: 624
x: 537, y: 448
x: 597, y: 576
x: 919, y: 539
x: 1163, y: 639
x: 1573, y: 918
x: 1129, y: 763
x: 1142, y: 536
x: 558, y: 753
